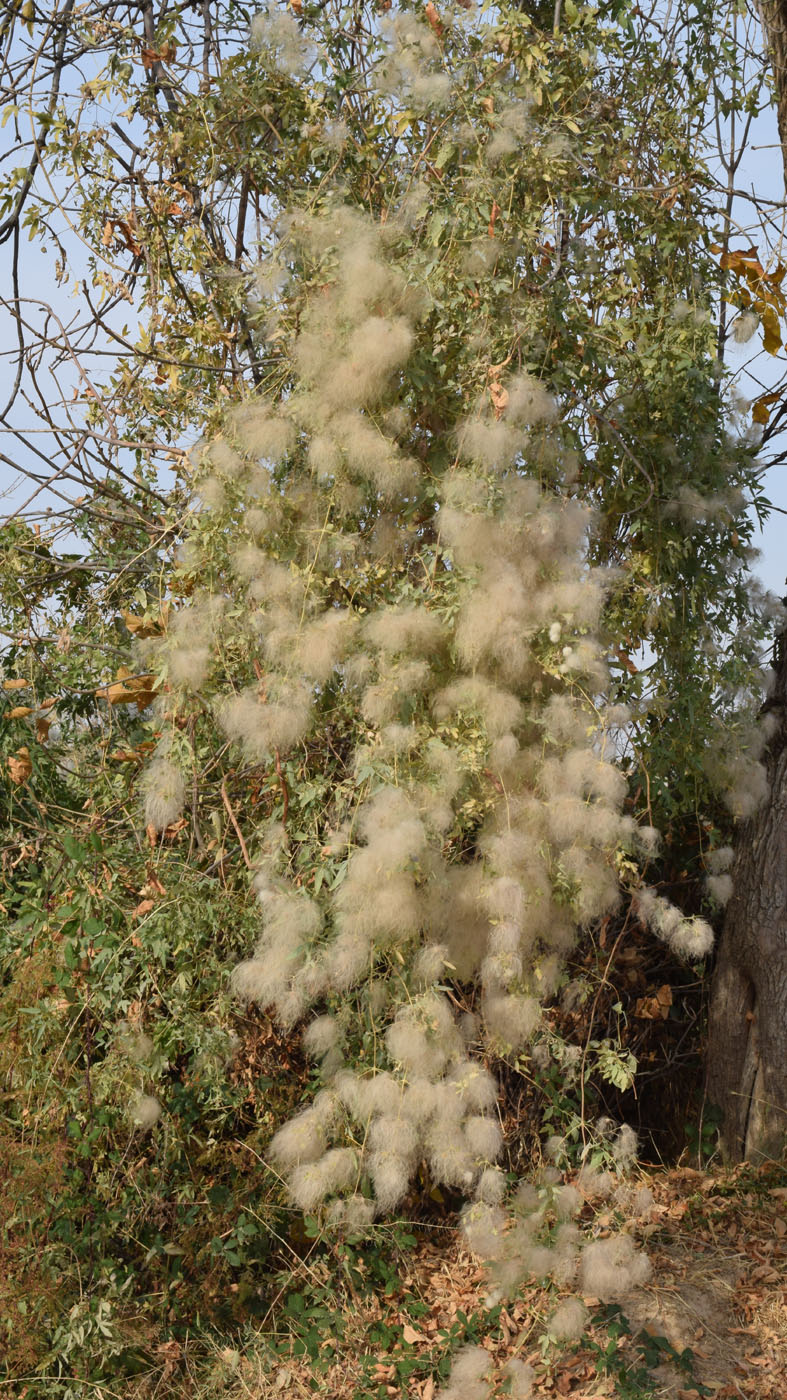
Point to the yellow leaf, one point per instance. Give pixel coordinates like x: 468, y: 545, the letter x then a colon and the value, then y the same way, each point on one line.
x: 15, y: 684
x: 761, y: 411
x: 769, y: 296
x: 771, y: 340
x: 113, y: 694
x: 20, y: 712
x: 402, y: 122
x: 742, y: 261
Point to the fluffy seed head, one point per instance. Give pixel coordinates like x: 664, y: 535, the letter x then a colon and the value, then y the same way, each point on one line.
x: 519, y: 1379
x: 320, y: 1036
x: 165, y: 793
x: 311, y: 1182
x: 609, y: 1269
x: 300, y: 1140
x: 483, y: 1137
x: 390, y: 1176
x: 145, y: 1111
x: 469, y: 1378
x: 568, y: 1321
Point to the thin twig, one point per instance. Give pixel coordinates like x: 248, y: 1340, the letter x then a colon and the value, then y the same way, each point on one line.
x: 284, y: 790
x: 225, y: 799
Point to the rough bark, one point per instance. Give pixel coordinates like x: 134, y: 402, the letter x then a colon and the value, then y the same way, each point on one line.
x: 747, y: 1050
x: 773, y: 14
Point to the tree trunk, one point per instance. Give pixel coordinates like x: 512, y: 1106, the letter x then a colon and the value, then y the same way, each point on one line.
x: 773, y: 15
x: 747, y: 1049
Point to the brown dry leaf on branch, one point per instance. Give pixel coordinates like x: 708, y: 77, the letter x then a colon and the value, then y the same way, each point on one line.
x: 434, y: 19
x: 655, y: 1007
x: 20, y: 766
x: 499, y: 397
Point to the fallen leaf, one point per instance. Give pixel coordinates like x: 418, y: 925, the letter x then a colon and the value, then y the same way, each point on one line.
x: 144, y: 907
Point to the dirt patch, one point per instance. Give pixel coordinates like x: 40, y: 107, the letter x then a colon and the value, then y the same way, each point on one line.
x: 692, y: 1305
x: 719, y: 1287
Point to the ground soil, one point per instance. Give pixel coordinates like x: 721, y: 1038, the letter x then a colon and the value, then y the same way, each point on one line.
x: 718, y: 1245
x: 711, y: 1322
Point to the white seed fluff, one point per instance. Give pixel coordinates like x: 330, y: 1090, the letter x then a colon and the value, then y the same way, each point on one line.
x: 164, y: 790
x: 609, y: 1269
x: 145, y: 1111
x: 568, y: 1321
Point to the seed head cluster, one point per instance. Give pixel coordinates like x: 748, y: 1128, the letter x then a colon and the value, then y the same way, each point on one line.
x: 443, y: 629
